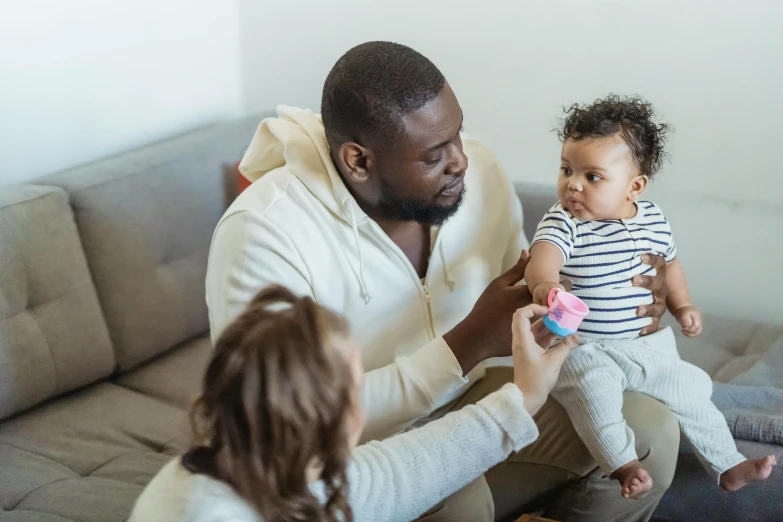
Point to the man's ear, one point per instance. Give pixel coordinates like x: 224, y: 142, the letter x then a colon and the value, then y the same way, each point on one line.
x: 355, y: 161
x: 637, y: 187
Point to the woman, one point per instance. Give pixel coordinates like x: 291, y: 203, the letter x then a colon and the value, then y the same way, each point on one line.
x: 279, y: 419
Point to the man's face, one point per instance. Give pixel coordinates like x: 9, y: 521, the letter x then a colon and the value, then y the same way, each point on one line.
x: 420, y: 174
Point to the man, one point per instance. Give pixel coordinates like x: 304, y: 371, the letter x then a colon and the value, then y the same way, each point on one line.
x: 387, y: 213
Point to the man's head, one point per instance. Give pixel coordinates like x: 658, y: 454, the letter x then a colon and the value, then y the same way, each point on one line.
x: 611, y: 149
x: 393, y: 126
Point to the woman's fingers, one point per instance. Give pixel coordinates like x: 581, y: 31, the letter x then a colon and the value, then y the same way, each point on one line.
x: 522, y: 319
x: 560, y: 351
x: 544, y: 338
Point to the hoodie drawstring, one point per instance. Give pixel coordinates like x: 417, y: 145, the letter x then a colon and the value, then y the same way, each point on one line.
x: 362, y: 284
x: 449, y: 281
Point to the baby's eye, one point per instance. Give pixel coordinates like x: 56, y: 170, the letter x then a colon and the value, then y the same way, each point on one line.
x: 564, y: 171
x: 592, y: 178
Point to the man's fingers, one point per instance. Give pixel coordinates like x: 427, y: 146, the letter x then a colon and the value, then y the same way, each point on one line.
x: 652, y: 310
x: 657, y: 262
x: 515, y: 273
x: 651, y: 283
x: 652, y: 327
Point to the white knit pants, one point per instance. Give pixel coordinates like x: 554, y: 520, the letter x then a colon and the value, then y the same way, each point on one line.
x: 591, y: 387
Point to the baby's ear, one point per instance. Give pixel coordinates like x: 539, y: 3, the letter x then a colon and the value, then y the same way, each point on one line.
x: 637, y: 187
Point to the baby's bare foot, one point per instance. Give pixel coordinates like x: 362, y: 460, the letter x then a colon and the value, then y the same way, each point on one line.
x: 748, y: 471
x: 635, y: 481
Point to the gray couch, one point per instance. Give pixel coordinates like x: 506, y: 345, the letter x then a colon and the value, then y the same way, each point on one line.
x: 103, y: 330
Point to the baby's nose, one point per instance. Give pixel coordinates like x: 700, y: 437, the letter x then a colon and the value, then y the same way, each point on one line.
x: 573, y: 185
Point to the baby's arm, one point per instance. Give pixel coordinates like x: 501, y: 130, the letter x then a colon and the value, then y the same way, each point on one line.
x: 679, y: 300
x: 543, y: 270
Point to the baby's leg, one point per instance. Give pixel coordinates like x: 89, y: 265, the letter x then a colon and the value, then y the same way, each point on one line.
x: 686, y: 390
x: 590, y: 388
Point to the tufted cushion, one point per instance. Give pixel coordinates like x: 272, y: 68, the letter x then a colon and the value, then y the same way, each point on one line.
x: 87, y: 456
x: 52, y: 334
x: 146, y: 220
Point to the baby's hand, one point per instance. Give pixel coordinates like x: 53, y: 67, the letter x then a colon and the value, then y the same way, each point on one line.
x: 690, y: 319
x: 541, y: 292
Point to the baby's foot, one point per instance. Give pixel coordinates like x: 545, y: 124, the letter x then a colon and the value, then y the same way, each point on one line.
x: 748, y: 471
x: 635, y: 481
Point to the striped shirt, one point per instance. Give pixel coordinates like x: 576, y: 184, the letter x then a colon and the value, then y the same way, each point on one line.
x: 601, y: 257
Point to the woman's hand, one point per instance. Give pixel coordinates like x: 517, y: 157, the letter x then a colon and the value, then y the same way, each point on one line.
x: 536, y: 366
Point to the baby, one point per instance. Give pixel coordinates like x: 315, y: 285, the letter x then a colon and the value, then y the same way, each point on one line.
x: 596, y: 236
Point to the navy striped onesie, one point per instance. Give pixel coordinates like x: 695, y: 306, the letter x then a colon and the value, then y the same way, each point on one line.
x: 601, y: 257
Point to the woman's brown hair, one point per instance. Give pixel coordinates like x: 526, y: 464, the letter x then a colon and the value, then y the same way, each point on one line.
x: 277, y: 397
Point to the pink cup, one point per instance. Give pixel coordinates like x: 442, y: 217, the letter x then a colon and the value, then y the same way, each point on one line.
x: 566, y: 312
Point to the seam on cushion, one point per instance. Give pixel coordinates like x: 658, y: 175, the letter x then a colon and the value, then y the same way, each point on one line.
x: 193, y: 149
x: 23, y: 450
x: 55, y: 190
x: 53, y: 299
x: 107, y: 479
x: 40, y: 487
x: 90, y: 473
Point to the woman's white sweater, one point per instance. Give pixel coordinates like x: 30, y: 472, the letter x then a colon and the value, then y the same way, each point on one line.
x: 396, y: 479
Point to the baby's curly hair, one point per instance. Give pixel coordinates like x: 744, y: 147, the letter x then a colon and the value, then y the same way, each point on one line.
x: 632, y: 117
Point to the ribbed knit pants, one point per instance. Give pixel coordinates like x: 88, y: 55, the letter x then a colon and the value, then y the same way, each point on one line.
x: 596, y: 374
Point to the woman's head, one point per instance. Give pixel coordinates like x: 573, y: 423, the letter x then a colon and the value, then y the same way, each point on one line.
x: 280, y: 408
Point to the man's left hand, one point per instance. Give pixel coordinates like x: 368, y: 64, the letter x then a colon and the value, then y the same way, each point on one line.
x: 656, y: 284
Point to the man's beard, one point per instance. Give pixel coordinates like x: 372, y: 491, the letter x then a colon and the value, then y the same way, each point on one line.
x: 393, y: 206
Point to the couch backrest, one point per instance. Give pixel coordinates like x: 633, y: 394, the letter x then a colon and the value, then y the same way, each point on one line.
x: 146, y: 220
x: 53, y: 337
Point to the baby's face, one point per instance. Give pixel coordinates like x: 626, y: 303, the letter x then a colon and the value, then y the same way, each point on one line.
x: 598, y: 179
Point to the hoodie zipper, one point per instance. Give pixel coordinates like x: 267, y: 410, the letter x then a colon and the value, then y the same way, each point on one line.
x: 428, y: 305
x: 424, y: 290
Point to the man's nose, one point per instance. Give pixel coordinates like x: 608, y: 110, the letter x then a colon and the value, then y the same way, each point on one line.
x: 458, y: 163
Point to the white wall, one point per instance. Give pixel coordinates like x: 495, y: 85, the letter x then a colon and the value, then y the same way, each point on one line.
x: 84, y: 79
x: 713, y: 69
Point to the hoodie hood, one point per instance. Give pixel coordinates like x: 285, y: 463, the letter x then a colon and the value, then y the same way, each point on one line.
x: 296, y: 140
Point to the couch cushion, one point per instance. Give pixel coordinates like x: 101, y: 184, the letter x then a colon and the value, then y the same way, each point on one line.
x: 175, y: 377
x: 52, y: 334
x: 88, y: 455
x: 694, y: 496
x: 146, y: 219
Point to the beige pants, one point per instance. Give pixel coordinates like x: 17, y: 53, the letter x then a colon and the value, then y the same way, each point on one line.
x: 558, y: 474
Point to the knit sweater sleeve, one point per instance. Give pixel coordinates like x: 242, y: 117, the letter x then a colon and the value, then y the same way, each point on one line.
x: 399, y: 478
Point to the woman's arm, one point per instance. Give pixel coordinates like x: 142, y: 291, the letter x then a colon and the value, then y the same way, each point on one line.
x: 399, y: 478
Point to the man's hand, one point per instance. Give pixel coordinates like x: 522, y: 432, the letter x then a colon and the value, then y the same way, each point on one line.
x: 690, y: 319
x: 656, y: 284
x: 486, y: 331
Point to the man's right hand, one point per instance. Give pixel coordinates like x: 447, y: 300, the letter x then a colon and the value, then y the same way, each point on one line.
x: 486, y: 331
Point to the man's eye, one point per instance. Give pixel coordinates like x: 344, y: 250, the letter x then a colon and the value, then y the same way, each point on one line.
x: 432, y: 161
x: 592, y: 178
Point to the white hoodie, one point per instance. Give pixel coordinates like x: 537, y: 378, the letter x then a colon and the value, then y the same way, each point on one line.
x: 298, y: 225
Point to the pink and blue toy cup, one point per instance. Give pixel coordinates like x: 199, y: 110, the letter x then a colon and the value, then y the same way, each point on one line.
x: 566, y: 312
